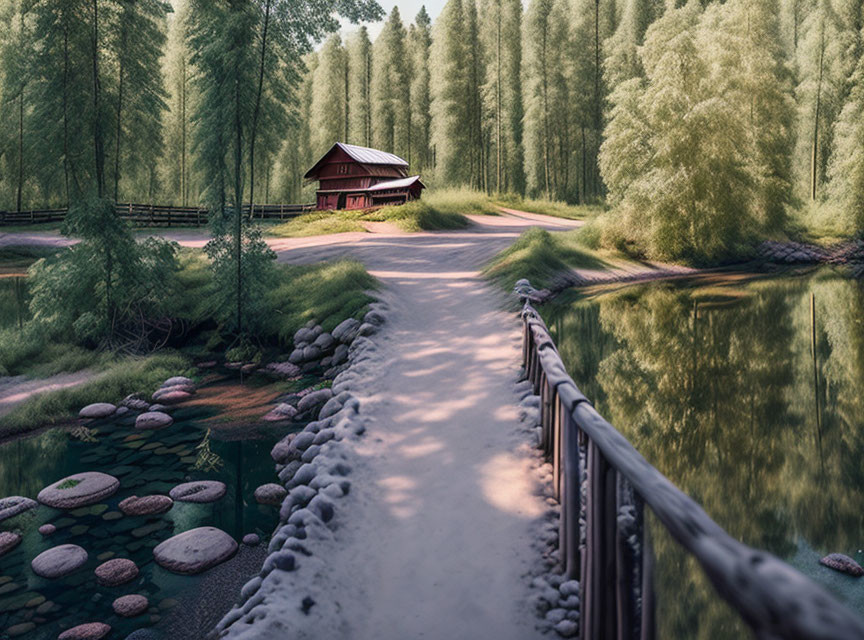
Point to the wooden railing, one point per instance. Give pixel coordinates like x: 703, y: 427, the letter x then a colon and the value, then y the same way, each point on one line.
x: 604, y: 485
x: 156, y: 215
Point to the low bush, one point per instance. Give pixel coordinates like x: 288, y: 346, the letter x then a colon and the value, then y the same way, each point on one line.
x: 540, y: 256
x: 124, y: 376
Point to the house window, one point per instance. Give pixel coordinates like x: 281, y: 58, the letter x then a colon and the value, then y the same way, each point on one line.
x: 343, y: 169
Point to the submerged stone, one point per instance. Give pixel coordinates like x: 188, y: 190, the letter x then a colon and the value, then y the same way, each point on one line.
x: 200, y: 491
x: 153, y: 420
x: 131, y: 605
x: 842, y: 563
x: 59, y: 561
x: 145, y: 505
x: 13, y: 505
x: 116, y: 572
x: 8, y: 541
x: 79, y: 490
x: 88, y: 631
x: 194, y: 551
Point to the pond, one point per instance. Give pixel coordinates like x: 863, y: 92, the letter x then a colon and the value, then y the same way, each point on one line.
x: 146, y: 462
x: 748, y: 393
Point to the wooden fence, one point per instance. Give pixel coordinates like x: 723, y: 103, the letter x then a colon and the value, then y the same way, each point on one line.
x: 156, y: 215
x: 604, y: 486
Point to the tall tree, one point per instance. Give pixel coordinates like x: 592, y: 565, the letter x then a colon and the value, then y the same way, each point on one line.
x: 390, y: 87
x: 15, y: 97
x: 547, y: 103
x: 240, y: 79
x: 621, y: 49
x: 475, y: 73
x: 450, y: 83
x: 359, y: 50
x: 501, y: 35
x: 419, y: 44
x: 329, y: 106
x: 846, y: 168
x: 176, y: 165
x: 138, y: 37
x: 818, y: 94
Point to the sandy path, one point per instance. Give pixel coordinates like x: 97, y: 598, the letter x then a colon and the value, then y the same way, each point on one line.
x: 17, y: 389
x: 438, y: 535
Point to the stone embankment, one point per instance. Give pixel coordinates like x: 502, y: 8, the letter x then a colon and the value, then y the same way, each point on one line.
x: 313, y: 466
x: 849, y: 254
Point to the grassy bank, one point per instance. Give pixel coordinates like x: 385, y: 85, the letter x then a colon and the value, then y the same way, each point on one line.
x: 117, y: 379
x: 327, y: 293
x: 437, y: 210
x: 540, y: 256
x: 553, y: 208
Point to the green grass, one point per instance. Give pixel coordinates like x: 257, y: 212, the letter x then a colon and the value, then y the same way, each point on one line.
x: 68, y: 483
x: 554, y: 208
x: 326, y: 293
x: 124, y: 376
x: 440, y: 209
x: 540, y: 256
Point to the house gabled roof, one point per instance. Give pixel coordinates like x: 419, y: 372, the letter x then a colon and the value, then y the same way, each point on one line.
x: 396, y: 184
x: 363, y: 155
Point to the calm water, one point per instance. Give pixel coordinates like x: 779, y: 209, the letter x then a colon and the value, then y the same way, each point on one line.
x: 145, y: 462
x: 750, y: 402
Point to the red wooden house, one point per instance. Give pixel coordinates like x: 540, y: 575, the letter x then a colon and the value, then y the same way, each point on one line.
x: 352, y: 177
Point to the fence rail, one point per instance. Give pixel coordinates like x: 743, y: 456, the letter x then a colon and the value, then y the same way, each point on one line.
x: 156, y: 215
x: 604, y: 485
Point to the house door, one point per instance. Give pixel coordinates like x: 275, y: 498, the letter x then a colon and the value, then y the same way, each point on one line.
x: 341, y: 204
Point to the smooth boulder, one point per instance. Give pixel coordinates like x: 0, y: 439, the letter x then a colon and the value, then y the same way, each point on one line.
x: 8, y: 541
x: 145, y: 505
x: 116, y: 571
x: 59, y: 561
x: 177, y: 381
x: 153, y: 420
x: 194, y: 551
x: 97, y: 410
x: 313, y: 399
x: 88, y: 631
x: 130, y: 606
x: 282, y: 411
x: 79, y: 490
x: 13, y: 505
x: 842, y: 563
x: 271, y: 494
x: 200, y: 491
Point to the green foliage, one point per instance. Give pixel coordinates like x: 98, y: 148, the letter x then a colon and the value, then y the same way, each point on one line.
x: 540, y: 256
x: 359, y: 51
x: 390, y: 86
x: 501, y: 37
x: 419, y: 47
x: 125, y: 376
x: 327, y: 293
x: 329, y: 110
x: 556, y: 208
x: 105, y: 285
x: 697, y: 160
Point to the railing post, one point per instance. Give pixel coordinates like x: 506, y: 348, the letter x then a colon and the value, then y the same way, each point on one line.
x: 570, y: 531
x: 598, y: 614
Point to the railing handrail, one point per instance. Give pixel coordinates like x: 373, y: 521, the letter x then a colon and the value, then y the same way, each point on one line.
x: 159, y: 213
x: 774, y: 599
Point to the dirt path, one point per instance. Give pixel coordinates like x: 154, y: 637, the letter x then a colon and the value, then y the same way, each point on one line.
x: 436, y: 536
x: 17, y: 389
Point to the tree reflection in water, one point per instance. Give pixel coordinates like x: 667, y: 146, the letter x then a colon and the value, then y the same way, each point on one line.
x: 713, y: 381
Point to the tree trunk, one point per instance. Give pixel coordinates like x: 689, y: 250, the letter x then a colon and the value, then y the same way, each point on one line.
x: 119, y: 130
x: 98, y: 145
x: 814, y: 172
x: 545, y: 110
x: 257, y: 109
x: 184, y: 189
x: 498, y: 106
x: 66, y: 111
x: 20, y: 148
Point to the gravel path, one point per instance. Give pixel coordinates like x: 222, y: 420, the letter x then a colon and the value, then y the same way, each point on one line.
x: 15, y: 390
x: 437, y: 536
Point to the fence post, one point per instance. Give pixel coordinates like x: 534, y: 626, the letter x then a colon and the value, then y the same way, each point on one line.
x: 598, y: 613
x: 570, y: 528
